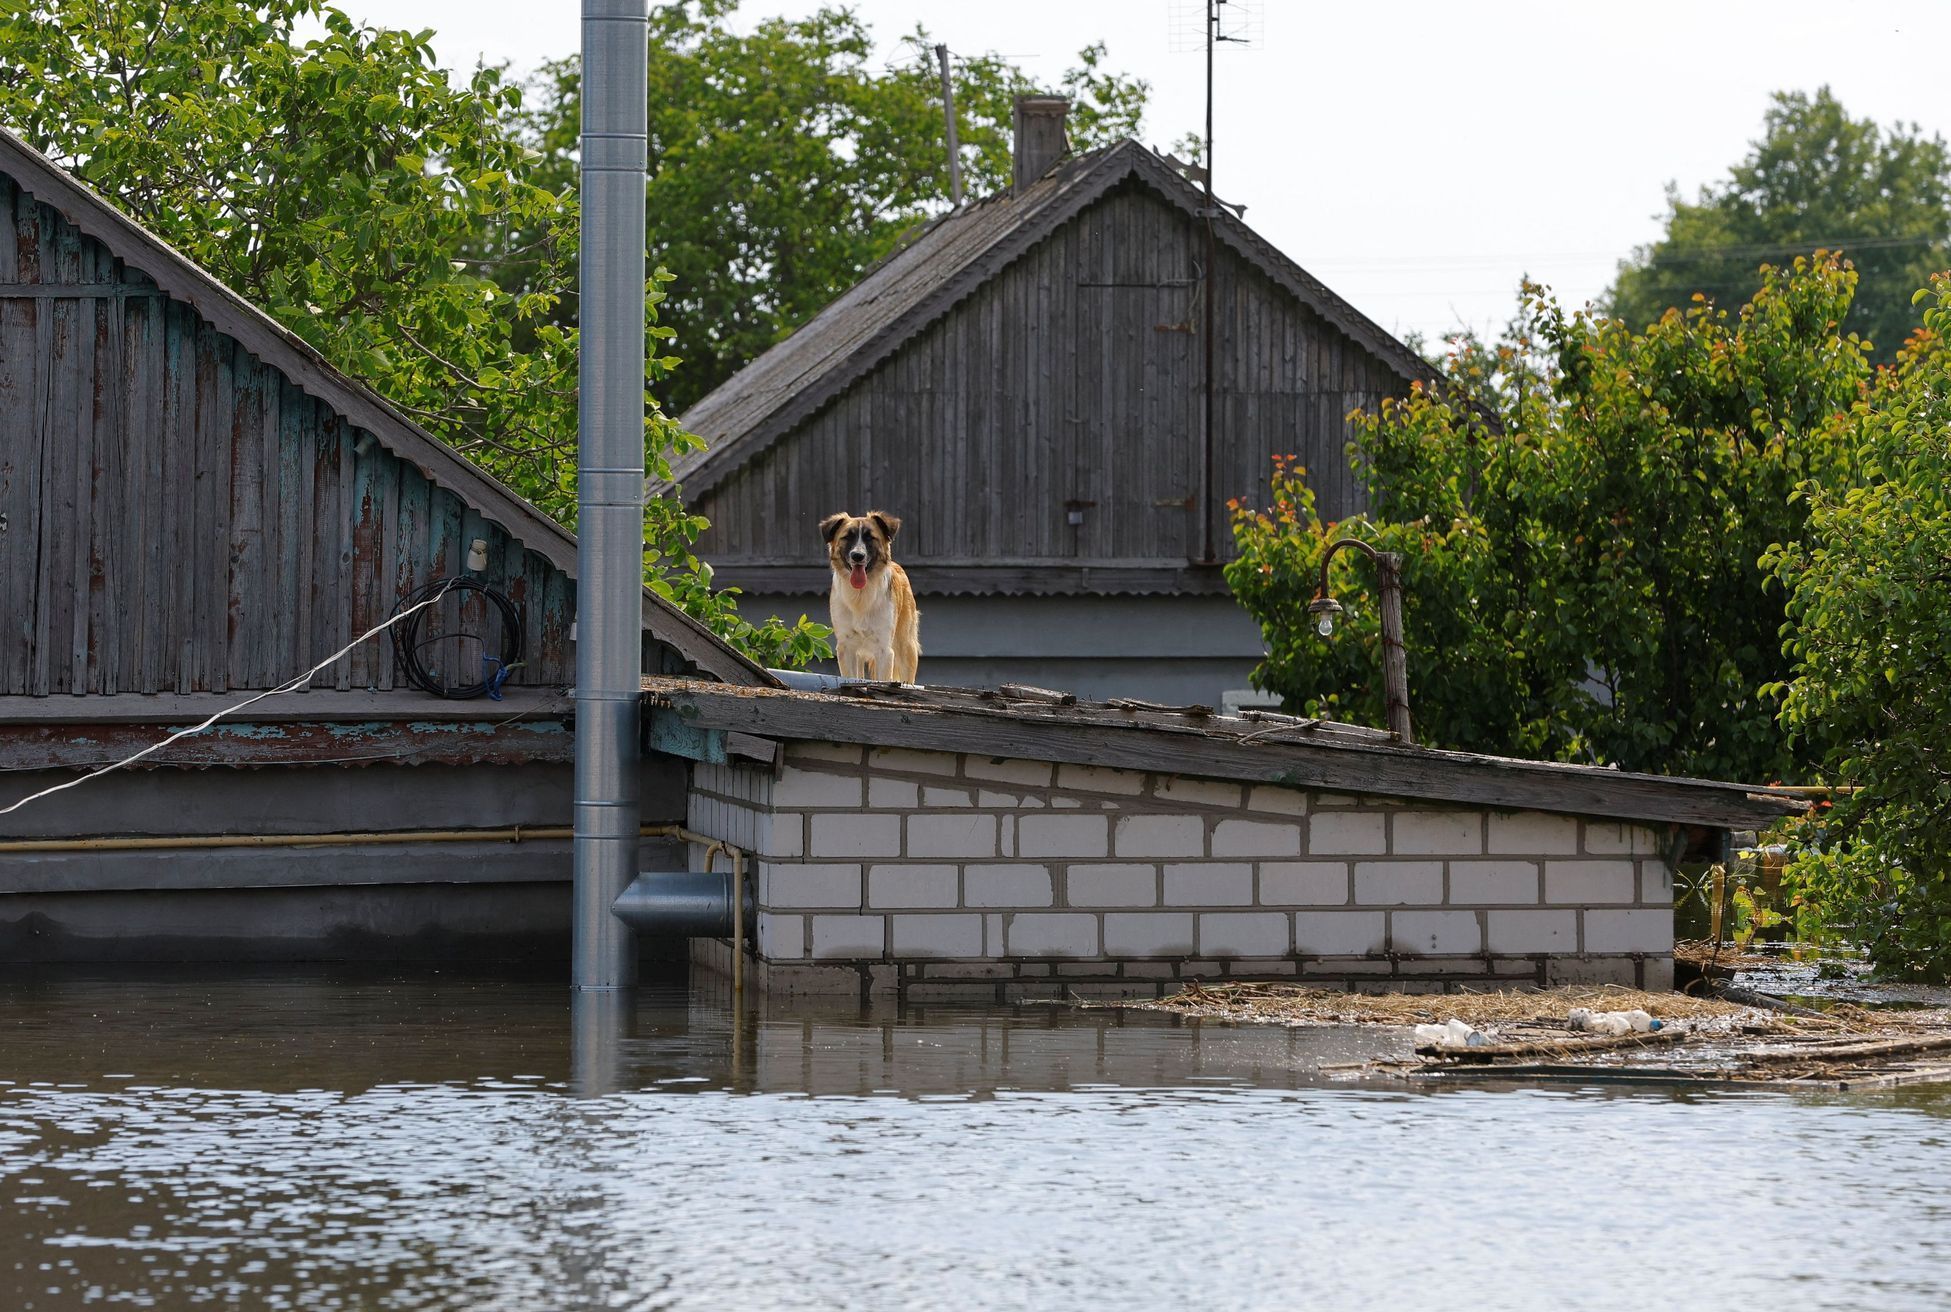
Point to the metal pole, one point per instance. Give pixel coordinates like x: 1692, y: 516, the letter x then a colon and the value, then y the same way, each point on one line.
x: 954, y: 143
x: 1206, y: 553
x: 1395, y: 667
x: 610, y: 486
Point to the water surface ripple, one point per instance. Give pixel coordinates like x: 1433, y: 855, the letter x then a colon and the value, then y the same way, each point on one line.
x: 284, y: 1143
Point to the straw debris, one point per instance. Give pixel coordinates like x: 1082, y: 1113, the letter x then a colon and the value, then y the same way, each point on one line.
x: 1293, y: 1004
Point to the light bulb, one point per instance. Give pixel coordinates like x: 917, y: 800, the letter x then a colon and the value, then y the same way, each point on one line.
x: 1325, y: 626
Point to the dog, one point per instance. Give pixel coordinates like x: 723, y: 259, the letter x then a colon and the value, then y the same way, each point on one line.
x: 876, y: 628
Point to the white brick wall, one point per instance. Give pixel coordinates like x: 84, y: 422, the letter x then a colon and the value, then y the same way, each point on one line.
x: 1304, y: 883
x: 1161, y: 835
x: 1063, y: 836
x: 1390, y: 883
x: 1526, y: 932
x: 935, y: 936
x: 1058, y: 934
x: 1008, y: 886
x: 846, y: 834
x: 1494, y: 883
x: 954, y: 833
x: 1435, y: 933
x: 902, y: 884
x: 1530, y: 833
x: 1111, y: 886
x: 1347, y: 833
x: 1256, y: 838
x: 1148, y: 934
x: 1340, y: 933
x: 1590, y: 881
x: 1243, y: 934
x: 1209, y: 884
x: 1439, y: 833
x: 803, y: 885
x: 999, y: 869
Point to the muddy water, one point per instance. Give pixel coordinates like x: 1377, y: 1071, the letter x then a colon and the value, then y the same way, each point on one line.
x: 289, y: 1143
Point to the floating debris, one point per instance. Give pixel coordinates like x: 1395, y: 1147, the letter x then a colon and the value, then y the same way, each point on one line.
x: 1605, y: 1034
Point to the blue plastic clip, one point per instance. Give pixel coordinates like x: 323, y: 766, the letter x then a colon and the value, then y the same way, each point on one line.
x: 494, y: 674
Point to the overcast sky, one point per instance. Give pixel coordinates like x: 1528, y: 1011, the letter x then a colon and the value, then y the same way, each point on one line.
x: 1419, y: 157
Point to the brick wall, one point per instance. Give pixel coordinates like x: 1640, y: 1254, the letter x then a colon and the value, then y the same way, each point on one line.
x: 946, y: 876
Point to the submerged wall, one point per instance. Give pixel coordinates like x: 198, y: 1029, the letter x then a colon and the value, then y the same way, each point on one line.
x: 396, y: 898
x: 935, y: 875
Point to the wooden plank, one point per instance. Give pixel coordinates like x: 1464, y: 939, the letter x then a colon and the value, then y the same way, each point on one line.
x: 345, y: 610
x: 1343, y: 766
x: 54, y: 589
x: 112, y: 484
x: 389, y: 472
x: 323, y: 705
x: 10, y: 199
x: 367, y: 523
x: 23, y: 383
x: 291, y: 512
x: 142, y: 488
x: 246, y: 596
x: 174, y: 653
x: 216, y: 410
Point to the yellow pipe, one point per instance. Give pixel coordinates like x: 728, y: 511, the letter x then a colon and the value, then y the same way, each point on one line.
x: 514, y: 834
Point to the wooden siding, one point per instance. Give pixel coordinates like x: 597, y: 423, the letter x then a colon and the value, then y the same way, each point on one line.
x: 181, y: 518
x: 1074, y: 375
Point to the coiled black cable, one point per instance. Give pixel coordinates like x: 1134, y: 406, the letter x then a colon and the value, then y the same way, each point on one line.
x: 407, y: 642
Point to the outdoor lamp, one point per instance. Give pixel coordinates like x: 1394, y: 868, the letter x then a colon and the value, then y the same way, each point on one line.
x: 1395, y: 671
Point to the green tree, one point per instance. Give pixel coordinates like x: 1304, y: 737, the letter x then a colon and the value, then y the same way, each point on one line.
x: 785, y: 160
x: 1580, y: 512
x: 1817, y: 178
x: 1869, y: 609
x: 336, y: 184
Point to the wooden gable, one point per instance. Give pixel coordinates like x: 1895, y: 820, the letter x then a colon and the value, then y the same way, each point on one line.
x: 192, y: 501
x: 1066, y: 384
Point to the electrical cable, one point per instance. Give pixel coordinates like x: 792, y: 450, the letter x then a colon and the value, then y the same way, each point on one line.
x: 495, y: 670
x: 289, y: 685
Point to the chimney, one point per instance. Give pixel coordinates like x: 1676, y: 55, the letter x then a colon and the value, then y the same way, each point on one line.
x: 1040, y: 141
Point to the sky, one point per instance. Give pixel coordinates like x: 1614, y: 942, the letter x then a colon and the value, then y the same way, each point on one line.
x: 1418, y: 157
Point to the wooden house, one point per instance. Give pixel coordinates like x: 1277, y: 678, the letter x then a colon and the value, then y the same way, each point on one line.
x: 193, y: 504
x: 1024, y: 382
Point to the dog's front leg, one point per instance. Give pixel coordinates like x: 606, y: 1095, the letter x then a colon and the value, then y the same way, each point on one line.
x: 884, y: 666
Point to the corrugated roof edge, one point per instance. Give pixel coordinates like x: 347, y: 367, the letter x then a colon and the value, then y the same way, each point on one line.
x: 1194, y: 741
x: 276, y: 345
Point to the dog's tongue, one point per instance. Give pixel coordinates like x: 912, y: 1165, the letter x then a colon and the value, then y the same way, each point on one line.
x: 860, y: 576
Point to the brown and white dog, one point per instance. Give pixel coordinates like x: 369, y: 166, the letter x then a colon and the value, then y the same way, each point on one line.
x: 876, y: 628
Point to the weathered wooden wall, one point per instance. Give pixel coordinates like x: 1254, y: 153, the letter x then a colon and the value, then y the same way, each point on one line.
x: 1073, y: 376
x: 178, y: 517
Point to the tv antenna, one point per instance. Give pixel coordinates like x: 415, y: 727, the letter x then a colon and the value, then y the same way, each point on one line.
x: 1205, y: 25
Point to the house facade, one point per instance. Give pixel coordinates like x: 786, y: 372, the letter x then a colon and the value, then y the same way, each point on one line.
x: 194, y: 506
x: 1025, y: 384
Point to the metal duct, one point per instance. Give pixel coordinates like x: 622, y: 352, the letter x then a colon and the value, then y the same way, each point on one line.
x: 609, y: 485
x: 680, y: 903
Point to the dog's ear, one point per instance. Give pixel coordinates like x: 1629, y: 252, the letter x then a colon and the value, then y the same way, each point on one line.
x: 831, y: 525
x: 888, y: 523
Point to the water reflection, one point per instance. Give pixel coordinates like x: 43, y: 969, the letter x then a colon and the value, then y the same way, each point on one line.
x: 343, y: 1143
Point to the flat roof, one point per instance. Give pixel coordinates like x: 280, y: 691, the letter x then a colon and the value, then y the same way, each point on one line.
x: 1254, y: 746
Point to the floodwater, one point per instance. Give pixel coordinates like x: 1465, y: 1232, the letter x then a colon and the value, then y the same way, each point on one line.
x: 281, y: 1142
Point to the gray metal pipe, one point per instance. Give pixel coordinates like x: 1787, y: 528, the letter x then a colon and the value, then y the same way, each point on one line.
x: 610, y: 485
x: 680, y: 903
